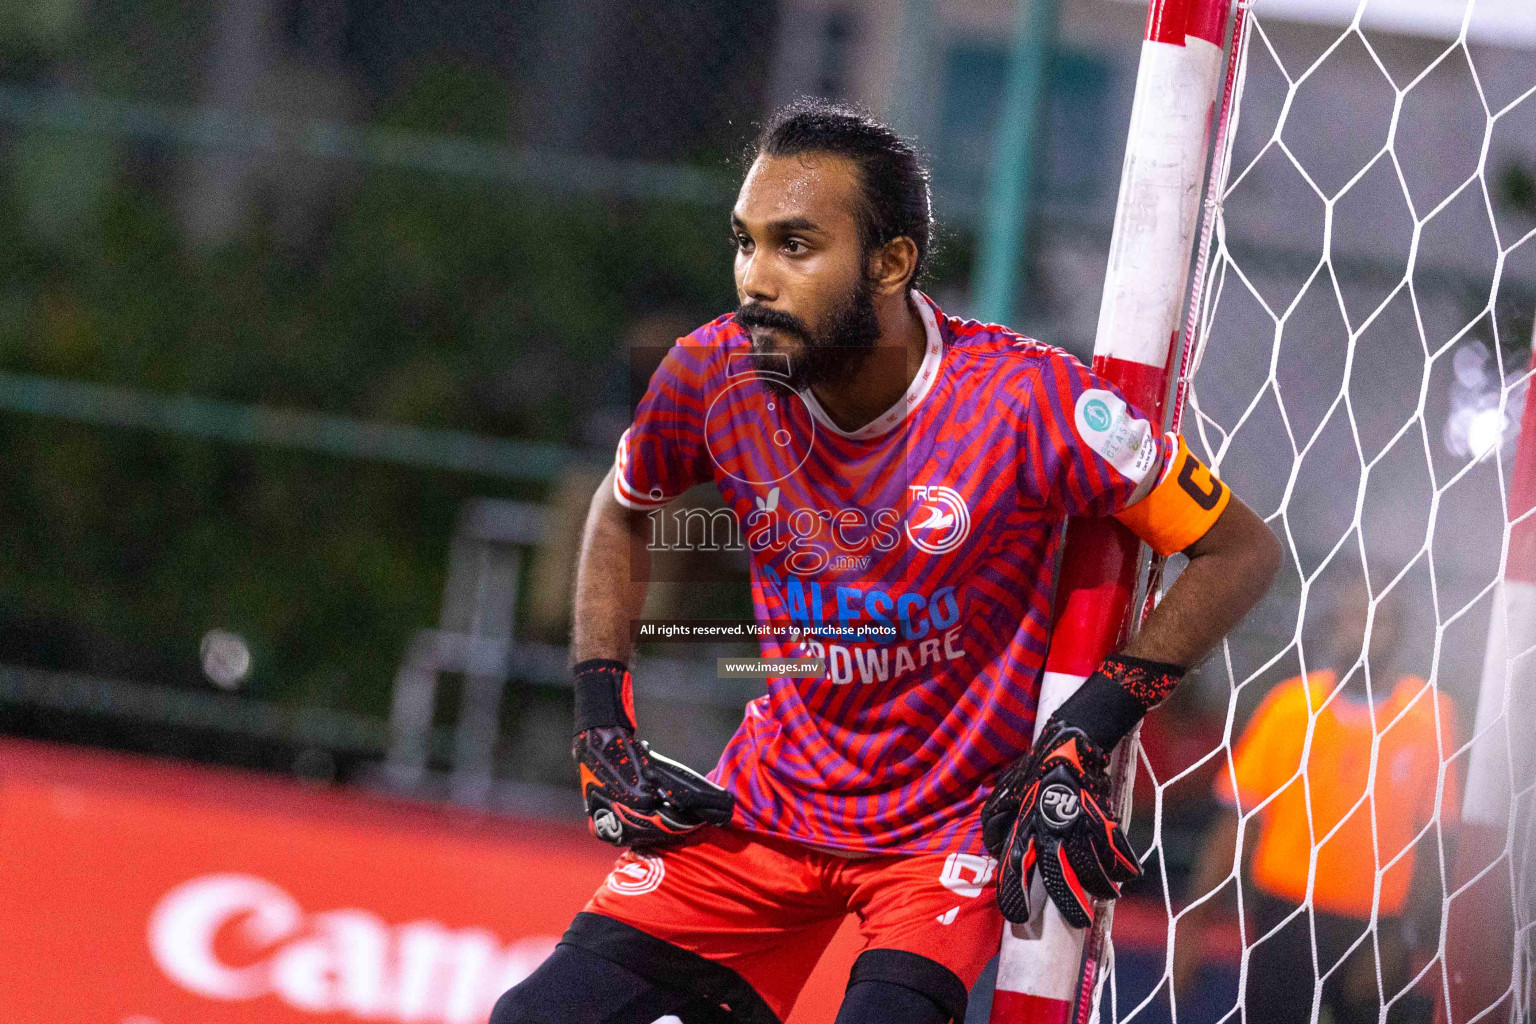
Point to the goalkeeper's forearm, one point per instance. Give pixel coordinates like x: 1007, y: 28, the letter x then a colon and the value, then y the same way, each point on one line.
x: 611, y: 578
x: 1229, y: 569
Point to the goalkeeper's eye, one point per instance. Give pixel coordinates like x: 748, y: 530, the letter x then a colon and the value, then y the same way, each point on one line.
x: 740, y: 242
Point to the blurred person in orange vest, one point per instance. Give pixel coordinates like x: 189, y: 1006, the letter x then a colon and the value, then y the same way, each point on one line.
x: 1365, y: 843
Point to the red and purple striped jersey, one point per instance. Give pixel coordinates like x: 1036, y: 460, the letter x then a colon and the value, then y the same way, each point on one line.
x: 936, y: 523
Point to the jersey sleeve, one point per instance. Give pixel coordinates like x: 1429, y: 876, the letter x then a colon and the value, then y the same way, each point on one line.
x: 663, y: 453
x: 1088, y: 449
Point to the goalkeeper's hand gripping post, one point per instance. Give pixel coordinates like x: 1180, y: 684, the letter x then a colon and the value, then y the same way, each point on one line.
x: 1049, y: 812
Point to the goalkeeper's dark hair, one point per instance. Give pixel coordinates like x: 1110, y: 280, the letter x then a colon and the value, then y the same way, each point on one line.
x: 895, y: 182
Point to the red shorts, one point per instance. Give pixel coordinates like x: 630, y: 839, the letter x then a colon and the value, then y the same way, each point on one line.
x: 766, y: 908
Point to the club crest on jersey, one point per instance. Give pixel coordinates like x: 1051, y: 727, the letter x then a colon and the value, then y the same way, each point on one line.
x: 938, y: 520
x: 637, y: 874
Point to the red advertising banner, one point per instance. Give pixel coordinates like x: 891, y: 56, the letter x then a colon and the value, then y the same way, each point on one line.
x: 135, y: 891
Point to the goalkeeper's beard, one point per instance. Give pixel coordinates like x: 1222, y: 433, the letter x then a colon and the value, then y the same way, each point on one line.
x: 829, y: 357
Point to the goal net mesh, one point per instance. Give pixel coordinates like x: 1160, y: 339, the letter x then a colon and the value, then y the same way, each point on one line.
x: 1364, y: 331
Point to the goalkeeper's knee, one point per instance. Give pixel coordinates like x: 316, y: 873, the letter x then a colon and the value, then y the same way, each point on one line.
x: 880, y: 1002
x: 577, y: 987
x: 895, y: 985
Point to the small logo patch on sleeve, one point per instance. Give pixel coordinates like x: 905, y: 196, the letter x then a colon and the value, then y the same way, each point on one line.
x: 1120, y: 437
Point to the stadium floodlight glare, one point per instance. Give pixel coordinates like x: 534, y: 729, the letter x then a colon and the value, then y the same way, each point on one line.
x: 1484, y: 432
x: 1476, y: 425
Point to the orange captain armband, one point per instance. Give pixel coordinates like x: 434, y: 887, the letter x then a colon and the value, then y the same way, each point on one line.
x: 1185, y: 503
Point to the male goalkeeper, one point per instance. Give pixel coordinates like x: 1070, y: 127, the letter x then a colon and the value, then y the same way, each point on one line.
x: 897, y: 469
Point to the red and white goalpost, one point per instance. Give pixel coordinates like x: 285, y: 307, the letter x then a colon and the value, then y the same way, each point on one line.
x: 1047, y: 970
x: 1490, y: 875
x: 1176, y: 151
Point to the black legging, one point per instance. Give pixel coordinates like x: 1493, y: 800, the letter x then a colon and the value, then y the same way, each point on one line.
x: 575, y: 986
x: 879, y: 1002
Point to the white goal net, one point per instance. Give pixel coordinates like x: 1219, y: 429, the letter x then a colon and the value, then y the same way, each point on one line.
x: 1363, y: 350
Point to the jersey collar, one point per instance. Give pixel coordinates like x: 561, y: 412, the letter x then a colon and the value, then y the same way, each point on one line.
x: 921, y: 384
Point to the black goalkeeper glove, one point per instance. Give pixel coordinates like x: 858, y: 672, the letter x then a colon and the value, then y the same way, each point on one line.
x: 1049, y: 812
x: 633, y: 795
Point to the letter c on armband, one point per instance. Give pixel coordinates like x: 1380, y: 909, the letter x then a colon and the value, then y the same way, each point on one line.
x: 1185, y: 504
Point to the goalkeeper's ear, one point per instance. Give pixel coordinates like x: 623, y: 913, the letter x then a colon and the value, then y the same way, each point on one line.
x: 1181, y: 506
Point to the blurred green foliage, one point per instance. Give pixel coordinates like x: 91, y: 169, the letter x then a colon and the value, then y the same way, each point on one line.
x: 401, y: 297
x: 364, y: 292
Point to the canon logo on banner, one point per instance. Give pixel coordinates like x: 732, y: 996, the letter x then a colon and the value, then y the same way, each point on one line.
x: 347, y: 961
